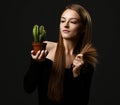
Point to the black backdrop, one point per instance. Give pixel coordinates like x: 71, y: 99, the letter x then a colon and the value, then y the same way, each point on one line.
x: 18, y: 18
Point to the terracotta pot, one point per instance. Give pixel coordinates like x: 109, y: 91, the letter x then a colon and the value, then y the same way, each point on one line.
x: 38, y: 46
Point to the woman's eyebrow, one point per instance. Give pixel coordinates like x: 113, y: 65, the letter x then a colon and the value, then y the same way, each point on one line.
x: 70, y: 18
x: 63, y: 17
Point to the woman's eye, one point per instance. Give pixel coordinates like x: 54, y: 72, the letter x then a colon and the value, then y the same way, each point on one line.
x: 62, y: 21
x: 73, y: 22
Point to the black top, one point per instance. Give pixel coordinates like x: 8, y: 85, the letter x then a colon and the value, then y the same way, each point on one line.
x: 75, y: 90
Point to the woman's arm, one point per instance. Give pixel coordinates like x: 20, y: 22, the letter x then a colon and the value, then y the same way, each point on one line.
x: 35, y: 68
x: 83, y: 83
x: 31, y: 76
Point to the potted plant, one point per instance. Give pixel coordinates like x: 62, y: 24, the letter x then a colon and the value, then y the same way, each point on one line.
x: 39, y: 35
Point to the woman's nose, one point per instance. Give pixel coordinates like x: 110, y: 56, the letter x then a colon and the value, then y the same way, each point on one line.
x: 66, y: 24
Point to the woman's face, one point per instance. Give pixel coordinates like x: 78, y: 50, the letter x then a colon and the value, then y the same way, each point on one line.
x: 69, y: 24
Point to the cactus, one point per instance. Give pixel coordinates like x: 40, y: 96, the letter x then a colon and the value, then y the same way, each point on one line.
x: 35, y: 32
x: 39, y: 33
x: 42, y: 33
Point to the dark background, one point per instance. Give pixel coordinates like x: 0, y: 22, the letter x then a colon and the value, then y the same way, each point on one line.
x: 18, y: 18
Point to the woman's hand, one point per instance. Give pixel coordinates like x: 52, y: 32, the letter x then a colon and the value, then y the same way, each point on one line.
x: 40, y: 55
x: 77, y: 64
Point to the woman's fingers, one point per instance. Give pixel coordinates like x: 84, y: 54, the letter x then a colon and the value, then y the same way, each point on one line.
x: 40, y: 55
x: 78, y: 61
x: 35, y: 56
x: 79, y: 56
x: 46, y: 52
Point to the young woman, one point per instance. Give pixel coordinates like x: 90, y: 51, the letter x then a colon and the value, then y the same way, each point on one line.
x: 62, y: 73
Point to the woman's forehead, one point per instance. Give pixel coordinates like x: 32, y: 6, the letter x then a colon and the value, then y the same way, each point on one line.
x: 69, y: 13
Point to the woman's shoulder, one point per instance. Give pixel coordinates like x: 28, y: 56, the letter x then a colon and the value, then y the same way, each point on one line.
x: 50, y: 45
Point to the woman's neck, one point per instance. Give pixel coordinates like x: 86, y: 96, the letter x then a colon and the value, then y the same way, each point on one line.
x: 69, y: 46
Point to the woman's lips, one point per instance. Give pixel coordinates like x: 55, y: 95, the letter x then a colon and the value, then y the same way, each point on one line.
x: 66, y: 31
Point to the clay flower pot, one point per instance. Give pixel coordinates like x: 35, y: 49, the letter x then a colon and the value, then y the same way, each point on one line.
x: 38, y: 46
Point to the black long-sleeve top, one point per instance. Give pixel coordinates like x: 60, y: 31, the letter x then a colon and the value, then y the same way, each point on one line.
x: 75, y: 89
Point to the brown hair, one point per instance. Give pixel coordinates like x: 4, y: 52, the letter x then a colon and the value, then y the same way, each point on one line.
x: 55, y: 86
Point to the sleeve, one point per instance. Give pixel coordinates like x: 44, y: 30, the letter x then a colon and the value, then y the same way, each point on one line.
x: 31, y: 76
x: 86, y: 74
x: 83, y: 84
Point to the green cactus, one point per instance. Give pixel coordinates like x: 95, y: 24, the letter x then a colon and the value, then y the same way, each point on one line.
x: 39, y: 33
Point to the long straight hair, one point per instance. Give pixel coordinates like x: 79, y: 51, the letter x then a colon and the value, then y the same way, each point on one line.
x: 55, y: 85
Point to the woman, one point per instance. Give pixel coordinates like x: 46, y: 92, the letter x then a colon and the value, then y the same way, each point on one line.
x: 62, y: 73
